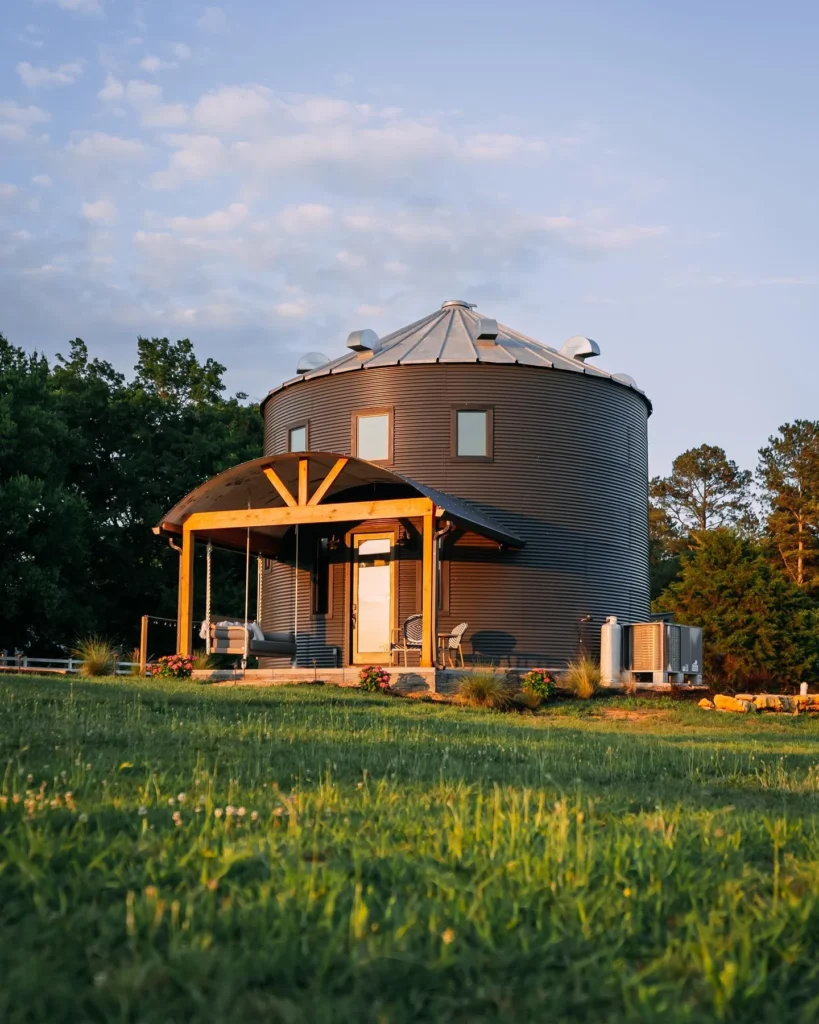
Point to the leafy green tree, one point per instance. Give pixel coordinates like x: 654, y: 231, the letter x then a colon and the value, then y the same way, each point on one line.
x: 664, y: 546
x: 758, y: 626
x: 788, y: 472
x: 89, y: 462
x: 705, y: 490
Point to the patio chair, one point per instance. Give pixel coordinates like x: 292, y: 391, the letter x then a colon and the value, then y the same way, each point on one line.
x: 410, y: 638
x: 453, y: 643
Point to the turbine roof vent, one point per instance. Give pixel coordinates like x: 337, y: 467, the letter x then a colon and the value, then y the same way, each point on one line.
x: 580, y: 348
x: 312, y: 361
x: 487, y: 329
x: 363, y: 341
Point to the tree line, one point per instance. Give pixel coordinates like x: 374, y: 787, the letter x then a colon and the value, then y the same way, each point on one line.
x: 89, y: 462
x: 737, y: 552
x: 91, y: 459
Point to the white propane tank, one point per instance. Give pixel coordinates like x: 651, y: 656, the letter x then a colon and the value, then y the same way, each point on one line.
x: 803, y: 689
x: 611, y: 645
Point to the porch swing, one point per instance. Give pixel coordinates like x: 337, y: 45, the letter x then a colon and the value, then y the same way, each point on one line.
x: 244, y: 639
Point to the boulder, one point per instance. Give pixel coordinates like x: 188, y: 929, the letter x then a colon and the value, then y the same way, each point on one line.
x: 775, y: 702
x: 723, y: 703
x: 705, y: 703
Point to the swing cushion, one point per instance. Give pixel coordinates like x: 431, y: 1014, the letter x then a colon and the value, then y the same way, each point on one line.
x: 231, y: 640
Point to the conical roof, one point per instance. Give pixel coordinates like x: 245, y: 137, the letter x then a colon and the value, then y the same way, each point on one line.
x: 457, y: 333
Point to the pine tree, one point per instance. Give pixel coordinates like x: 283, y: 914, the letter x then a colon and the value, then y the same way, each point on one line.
x: 758, y: 625
x: 788, y: 472
x: 705, y: 490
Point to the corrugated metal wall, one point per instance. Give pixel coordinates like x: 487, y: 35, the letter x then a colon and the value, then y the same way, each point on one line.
x: 570, y: 476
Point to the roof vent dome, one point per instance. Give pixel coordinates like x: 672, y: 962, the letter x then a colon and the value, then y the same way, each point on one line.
x: 457, y: 302
x: 580, y: 348
x: 625, y: 378
x: 312, y: 361
x: 363, y: 341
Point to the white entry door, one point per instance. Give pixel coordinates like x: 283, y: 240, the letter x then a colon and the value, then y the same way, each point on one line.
x: 373, y: 589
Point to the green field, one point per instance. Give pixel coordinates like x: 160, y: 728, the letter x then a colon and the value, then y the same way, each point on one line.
x: 178, y: 852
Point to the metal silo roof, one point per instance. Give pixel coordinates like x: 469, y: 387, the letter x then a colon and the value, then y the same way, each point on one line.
x: 451, y: 334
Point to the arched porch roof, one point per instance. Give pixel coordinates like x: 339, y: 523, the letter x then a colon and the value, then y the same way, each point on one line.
x: 312, y: 480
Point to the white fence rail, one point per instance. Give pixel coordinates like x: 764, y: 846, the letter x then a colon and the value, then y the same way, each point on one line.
x: 20, y: 660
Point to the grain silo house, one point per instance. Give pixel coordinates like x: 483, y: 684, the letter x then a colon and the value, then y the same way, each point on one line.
x: 453, y: 472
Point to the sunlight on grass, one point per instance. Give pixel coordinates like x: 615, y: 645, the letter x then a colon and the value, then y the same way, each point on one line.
x: 169, y: 851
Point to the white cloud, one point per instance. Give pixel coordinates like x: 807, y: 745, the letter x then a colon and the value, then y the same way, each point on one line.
x: 16, y: 120
x: 305, y: 217
x: 43, y: 180
x: 165, y: 115
x: 196, y: 157
x: 8, y: 190
x: 490, y: 146
x: 26, y: 116
x: 80, y: 6
x: 295, y: 310
x: 102, y: 211
x: 181, y: 51
x: 33, y: 77
x: 154, y: 64
x: 220, y: 220
x: 100, y: 147
x: 141, y: 94
x: 212, y: 20
x: 233, y: 109
x: 112, y: 90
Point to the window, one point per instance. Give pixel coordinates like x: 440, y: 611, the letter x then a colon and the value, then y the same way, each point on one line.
x: 372, y: 435
x: 472, y: 431
x: 322, y: 579
x: 297, y: 438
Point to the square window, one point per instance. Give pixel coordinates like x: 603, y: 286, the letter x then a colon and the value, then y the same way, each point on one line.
x: 472, y: 433
x: 372, y: 436
x: 297, y: 439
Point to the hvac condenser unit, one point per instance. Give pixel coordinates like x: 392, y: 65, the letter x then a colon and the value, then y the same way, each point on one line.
x: 664, y: 650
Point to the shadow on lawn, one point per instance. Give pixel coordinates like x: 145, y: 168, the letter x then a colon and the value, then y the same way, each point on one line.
x: 423, y: 745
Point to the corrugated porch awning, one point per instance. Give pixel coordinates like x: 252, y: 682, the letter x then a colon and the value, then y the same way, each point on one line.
x: 313, y: 478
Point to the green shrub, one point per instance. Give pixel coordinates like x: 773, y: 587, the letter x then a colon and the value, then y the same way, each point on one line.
x: 173, y: 666
x: 539, y: 682
x: 202, y: 661
x: 527, y: 699
x: 99, y: 656
x: 485, y: 690
x: 582, y: 677
x: 374, y: 679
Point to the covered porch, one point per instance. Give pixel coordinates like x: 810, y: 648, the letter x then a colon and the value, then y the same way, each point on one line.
x: 294, y: 513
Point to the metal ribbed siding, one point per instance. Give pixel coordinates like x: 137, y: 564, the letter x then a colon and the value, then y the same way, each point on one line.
x: 570, y: 476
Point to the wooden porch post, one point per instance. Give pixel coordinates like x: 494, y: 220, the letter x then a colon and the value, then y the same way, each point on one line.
x: 143, y: 645
x: 428, y: 604
x: 184, y: 625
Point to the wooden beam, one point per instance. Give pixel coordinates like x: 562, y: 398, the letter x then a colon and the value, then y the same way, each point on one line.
x: 166, y: 527
x: 236, y: 540
x: 343, y: 512
x: 278, y: 483
x: 143, y: 645
x: 184, y: 625
x: 328, y: 481
x: 304, y: 466
x: 429, y: 637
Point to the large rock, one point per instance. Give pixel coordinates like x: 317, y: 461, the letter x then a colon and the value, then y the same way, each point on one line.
x: 705, y: 703
x: 775, y: 702
x: 723, y: 703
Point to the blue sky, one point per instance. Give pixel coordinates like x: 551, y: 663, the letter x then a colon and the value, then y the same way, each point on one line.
x: 264, y: 177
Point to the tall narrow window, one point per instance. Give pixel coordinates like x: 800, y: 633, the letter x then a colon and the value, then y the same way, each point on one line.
x: 372, y: 435
x: 297, y: 438
x: 472, y: 433
x: 322, y: 579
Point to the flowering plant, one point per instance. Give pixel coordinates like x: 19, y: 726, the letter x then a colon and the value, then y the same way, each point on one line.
x: 374, y: 679
x: 540, y: 682
x: 173, y: 666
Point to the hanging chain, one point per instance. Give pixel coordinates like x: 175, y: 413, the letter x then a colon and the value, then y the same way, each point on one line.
x: 207, y: 596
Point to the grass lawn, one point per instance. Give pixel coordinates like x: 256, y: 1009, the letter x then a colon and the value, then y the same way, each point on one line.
x: 174, y: 852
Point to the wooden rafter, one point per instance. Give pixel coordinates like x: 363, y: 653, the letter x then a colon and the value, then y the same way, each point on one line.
x: 278, y: 483
x: 328, y: 481
x: 304, y: 467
